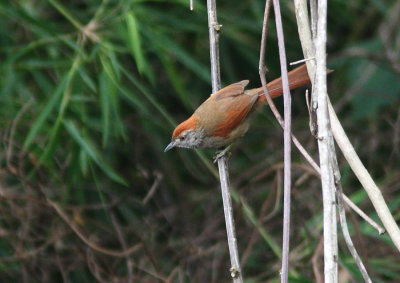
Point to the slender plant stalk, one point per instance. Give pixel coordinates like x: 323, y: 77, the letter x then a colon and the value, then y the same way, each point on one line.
x: 213, y: 28
x: 309, y: 52
x: 287, y: 144
x: 324, y: 134
x: 276, y: 113
x: 362, y: 214
x: 341, y: 138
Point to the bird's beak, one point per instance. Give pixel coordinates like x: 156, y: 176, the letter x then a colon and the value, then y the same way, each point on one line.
x: 171, y: 145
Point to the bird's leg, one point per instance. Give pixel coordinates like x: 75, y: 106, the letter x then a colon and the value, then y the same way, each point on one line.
x: 221, y: 153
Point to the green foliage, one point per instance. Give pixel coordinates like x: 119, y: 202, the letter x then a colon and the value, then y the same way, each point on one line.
x: 89, y: 94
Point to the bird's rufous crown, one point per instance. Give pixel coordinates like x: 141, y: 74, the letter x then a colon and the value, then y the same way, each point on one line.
x: 185, y: 125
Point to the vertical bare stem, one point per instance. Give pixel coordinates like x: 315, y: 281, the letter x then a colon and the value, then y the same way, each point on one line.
x: 287, y: 144
x: 324, y: 134
x: 214, y: 28
x: 213, y: 32
x: 235, y: 270
x: 309, y: 52
x: 313, y: 11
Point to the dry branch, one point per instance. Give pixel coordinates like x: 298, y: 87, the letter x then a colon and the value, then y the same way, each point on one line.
x: 88, y: 242
x: 213, y: 29
x: 308, y: 50
x: 287, y: 144
x: 324, y: 136
x: 341, y: 138
x: 374, y: 193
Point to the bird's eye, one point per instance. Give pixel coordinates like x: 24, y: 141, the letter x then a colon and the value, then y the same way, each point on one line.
x: 182, y: 138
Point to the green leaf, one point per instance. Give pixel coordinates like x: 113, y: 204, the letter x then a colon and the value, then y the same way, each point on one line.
x: 167, y: 45
x: 176, y: 79
x: 55, y: 131
x: 106, y: 87
x: 87, y: 79
x: 45, y: 113
x: 109, y: 84
x: 83, y: 162
x: 134, y: 42
x: 91, y: 151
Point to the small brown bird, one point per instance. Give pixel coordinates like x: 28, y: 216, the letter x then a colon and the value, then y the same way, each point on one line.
x: 224, y: 116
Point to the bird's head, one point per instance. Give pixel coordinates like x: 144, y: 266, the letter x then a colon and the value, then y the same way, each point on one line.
x: 187, y: 135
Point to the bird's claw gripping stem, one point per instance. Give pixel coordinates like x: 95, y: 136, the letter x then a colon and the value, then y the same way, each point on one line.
x: 221, y: 153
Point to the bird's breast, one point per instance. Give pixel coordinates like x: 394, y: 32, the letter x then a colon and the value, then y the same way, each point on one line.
x: 218, y: 141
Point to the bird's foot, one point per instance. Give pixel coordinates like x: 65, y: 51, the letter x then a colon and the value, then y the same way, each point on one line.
x: 222, y: 153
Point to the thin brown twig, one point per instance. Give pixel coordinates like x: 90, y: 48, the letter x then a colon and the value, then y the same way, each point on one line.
x: 301, y: 166
x: 347, y: 200
x: 152, y: 273
x: 315, y: 261
x: 387, y: 29
x: 172, y: 274
x: 253, y: 239
x: 275, y: 210
x: 301, y: 179
x: 33, y: 252
x: 61, y: 268
x: 129, y: 261
x: 361, y: 213
x: 115, y: 201
x: 94, y: 267
x: 216, y: 262
x: 12, y: 131
x: 154, y: 187
x: 81, y: 236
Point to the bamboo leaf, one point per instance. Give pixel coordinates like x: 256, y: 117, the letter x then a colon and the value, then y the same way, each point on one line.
x: 134, y: 42
x: 92, y: 152
x: 87, y: 79
x: 54, y: 134
x: 167, y: 45
x: 106, y: 87
x: 46, y: 112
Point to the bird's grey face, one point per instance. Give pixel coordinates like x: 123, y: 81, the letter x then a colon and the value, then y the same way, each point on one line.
x: 187, y: 139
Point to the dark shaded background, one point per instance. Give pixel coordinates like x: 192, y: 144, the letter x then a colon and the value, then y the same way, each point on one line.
x: 90, y: 93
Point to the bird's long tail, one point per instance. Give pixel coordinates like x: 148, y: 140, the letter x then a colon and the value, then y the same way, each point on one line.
x: 297, y: 78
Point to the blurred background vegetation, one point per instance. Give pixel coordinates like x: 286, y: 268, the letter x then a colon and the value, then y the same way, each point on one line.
x: 89, y: 94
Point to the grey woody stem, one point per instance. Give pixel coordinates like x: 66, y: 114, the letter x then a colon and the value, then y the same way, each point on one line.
x: 309, y: 52
x: 287, y: 182
x: 213, y: 29
x: 324, y: 140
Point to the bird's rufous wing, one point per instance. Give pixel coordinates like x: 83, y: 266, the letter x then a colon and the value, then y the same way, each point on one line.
x: 230, y: 90
x: 236, y: 110
x: 223, y: 111
x: 229, y: 106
